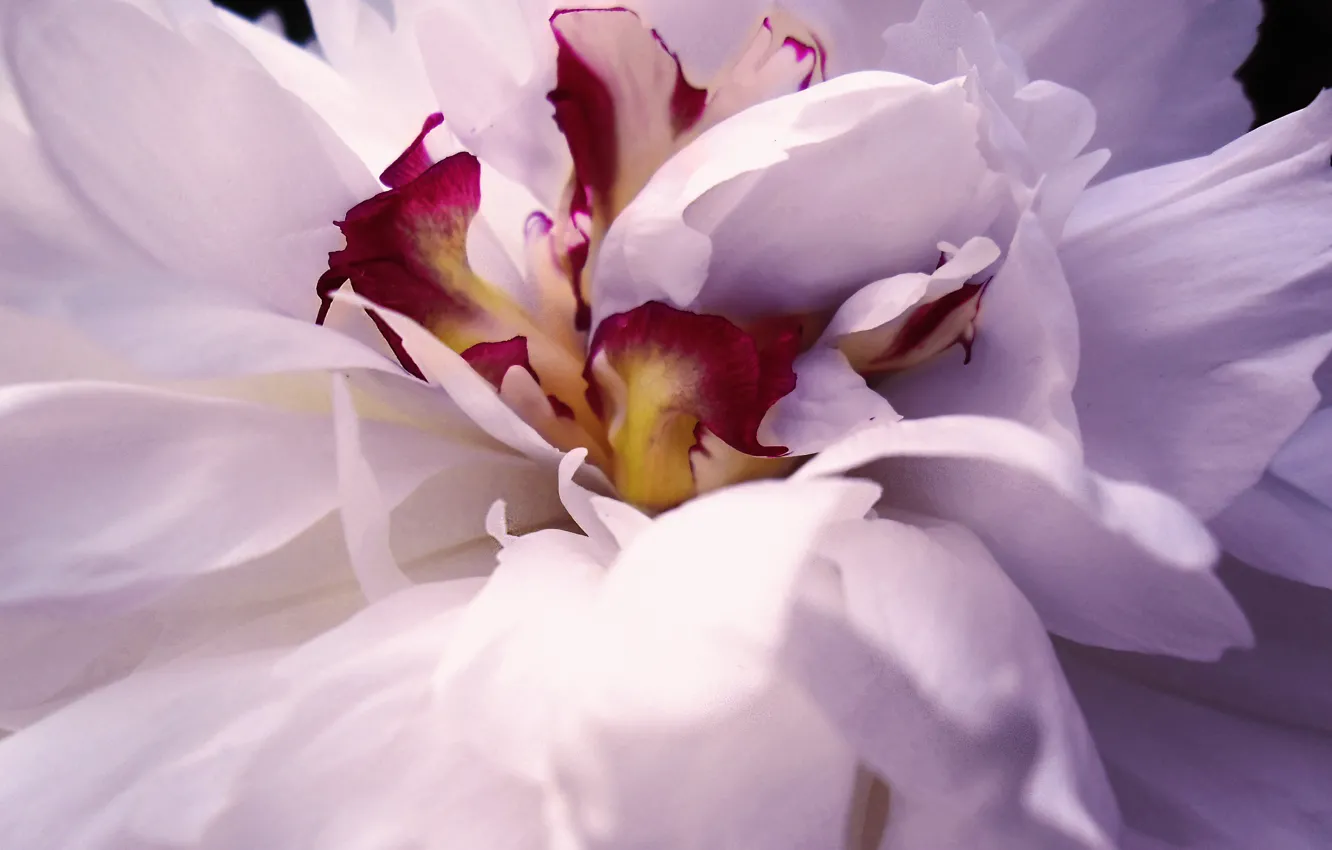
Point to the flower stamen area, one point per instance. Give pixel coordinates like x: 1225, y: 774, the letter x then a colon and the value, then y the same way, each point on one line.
x: 668, y: 402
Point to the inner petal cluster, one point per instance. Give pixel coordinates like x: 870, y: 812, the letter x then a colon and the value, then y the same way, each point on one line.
x: 667, y: 402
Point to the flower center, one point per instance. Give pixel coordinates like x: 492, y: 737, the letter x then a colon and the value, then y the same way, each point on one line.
x: 668, y: 402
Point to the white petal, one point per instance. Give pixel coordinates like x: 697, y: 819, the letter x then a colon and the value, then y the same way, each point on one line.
x: 1193, y: 778
x: 675, y: 678
x: 35, y: 349
x: 45, y: 228
x: 1107, y: 48
x: 829, y: 402
x: 126, y: 510
x: 371, y: 123
x: 1304, y: 460
x: 765, y: 208
x: 365, y: 514
x: 940, y: 669
x: 1201, y: 288
x: 491, y: 65
x: 1105, y: 562
x: 1025, y: 356
x: 191, y: 150
x: 117, y: 492
x: 446, y: 368
x: 202, y: 758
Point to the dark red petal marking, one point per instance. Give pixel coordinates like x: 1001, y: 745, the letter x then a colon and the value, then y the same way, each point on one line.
x: 585, y: 114
x: 414, y: 161
x: 687, y: 102
x: 588, y: 115
x: 492, y: 360
x: 728, y: 383
x: 926, y: 330
x: 394, y: 242
x: 561, y: 409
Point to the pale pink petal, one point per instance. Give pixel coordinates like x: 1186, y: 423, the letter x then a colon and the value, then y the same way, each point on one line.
x: 365, y: 512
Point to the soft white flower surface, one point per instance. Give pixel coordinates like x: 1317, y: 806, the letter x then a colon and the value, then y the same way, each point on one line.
x: 259, y: 589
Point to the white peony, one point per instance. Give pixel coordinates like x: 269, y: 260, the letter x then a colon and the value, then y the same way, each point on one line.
x: 783, y: 353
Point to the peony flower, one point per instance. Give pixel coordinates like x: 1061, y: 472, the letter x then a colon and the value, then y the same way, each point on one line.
x: 801, y: 382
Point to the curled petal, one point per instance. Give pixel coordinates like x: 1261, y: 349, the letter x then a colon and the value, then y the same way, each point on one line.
x: 414, y: 161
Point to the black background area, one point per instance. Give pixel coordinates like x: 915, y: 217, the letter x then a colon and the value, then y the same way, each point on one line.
x: 1291, y: 63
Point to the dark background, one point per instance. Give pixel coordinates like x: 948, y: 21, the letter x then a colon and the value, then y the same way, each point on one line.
x: 1292, y: 61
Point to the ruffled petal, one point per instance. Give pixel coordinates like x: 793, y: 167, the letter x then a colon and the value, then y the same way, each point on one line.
x: 1201, y: 290
x: 1105, y: 562
x: 1105, y: 48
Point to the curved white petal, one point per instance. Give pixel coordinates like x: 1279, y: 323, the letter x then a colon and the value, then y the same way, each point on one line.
x: 983, y: 738
x: 45, y: 228
x: 114, y: 493
x: 1190, y: 777
x: 1103, y: 561
x: 1280, y: 679
x: 1106, y: 49
x: 372, y: 120
x: 1024, y: 360
x: 764, y: 208
x: 218, y: 754
x: 185, y: 146
x: 120, y: 501
x: 681, y: 699
x: 1202, y: 293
